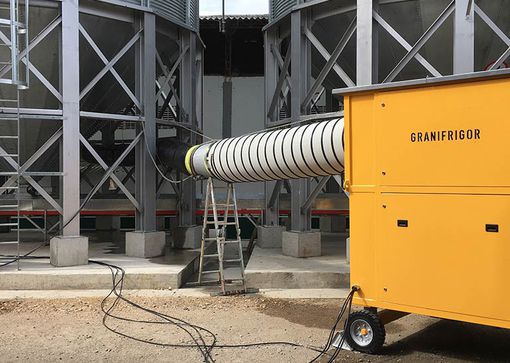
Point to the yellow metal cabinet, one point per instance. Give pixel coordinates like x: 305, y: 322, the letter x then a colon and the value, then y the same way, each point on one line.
x: 428, y: 171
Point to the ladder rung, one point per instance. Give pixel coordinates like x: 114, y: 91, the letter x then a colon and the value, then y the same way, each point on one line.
x: 8, y: 155
x: 8, y: 224
x: 8, y: 100
x: 229, y: 242
x: 8, y: 206
x: 210, y: 272
x: 221, y: 223
x: 224, y: 205
x: 8, y: 173
x: 234, y: 260
x: 8, y: 188
x: 11, y: 136
x: 213, y: 238
x: 210, y: 256
x: 9, y: 243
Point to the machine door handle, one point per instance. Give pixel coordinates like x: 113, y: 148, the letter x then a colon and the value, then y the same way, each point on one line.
x: 402, y: 223
x: 493, y: 228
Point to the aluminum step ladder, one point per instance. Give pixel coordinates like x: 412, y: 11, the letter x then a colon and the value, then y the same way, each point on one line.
x: 222, y: 246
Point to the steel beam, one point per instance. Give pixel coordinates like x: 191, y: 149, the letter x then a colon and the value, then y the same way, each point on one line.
x: 111, y: 116
x: 103, y: 58
x: 102, y: 163
x: 271, y: 215
x: 405, y: 45
x: 279, y: 84
x: 71, y: 117
x: 331, y: 61
x: 498, y: 32
x: 284, y: 97
x: 272, y: 202
x: 109, y: 66
x: 300, y: 75
x: 492, y: 25
x: 315, y: 192
x: 365, y: 43
x: 33, y: 69
x: 421, y: 42
x: 188, y: 116
x: 136, y: 141
x: 464, y: 37
x: 501, y: 60
x: 172, y: 71
x: 145, y: 169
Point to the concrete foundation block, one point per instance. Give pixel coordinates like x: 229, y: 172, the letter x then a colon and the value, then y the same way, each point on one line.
x: 270, y: 236
x: 301, y: 244
x: 325, y: 223
x: 69, y: 251
x: 187, y: 237
x: 145, y: 244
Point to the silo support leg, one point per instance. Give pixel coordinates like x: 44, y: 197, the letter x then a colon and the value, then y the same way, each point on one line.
x: 146, y: 241
x: 70, y: 249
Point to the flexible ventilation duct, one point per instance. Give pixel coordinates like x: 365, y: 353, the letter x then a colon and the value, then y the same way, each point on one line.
x: 291, y: 153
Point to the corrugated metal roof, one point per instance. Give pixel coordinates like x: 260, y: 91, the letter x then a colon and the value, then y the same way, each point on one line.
x: 236, y: 17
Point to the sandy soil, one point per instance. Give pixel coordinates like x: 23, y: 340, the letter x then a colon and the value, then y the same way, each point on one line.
x: 72, y: 330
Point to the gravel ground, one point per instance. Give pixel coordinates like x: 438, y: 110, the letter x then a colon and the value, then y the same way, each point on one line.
x: 72, y: 330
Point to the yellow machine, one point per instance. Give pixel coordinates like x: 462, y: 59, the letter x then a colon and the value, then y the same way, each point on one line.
x: 428, y: 171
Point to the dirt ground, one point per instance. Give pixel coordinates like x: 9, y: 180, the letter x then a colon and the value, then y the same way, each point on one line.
x: 72, y: 330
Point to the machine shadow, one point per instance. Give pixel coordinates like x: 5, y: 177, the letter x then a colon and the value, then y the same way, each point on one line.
x: 457, y: 340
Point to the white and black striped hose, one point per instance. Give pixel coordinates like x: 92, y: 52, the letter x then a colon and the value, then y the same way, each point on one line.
x: 312, y: 150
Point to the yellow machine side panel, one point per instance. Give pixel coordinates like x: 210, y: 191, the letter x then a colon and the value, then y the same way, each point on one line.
x: 444, y: 259
x: 449, y: 135
x: 362, y: 246
x: 359, y: 140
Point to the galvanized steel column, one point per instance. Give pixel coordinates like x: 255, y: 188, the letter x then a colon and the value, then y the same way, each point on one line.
x: 71, y: 118
x: 145, y: 170
x: 272, y: 207
x: 300, y: 75
x: 188, y: 86
x: 366, y: 45
x: 464, y: 37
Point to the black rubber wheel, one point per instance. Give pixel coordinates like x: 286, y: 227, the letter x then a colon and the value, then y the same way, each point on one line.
x: 365, y: 332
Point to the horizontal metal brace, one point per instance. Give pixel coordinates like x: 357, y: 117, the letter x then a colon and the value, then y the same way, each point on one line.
x: 306, y: 118
x: 111, y: 116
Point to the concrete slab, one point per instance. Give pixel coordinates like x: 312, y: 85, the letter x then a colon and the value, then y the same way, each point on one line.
x: 202, y: 292
x: 269, y: 268
x: 166, y: 272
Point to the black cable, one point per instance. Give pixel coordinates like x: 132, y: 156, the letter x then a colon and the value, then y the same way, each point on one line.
x: 205, y: 349
x: 201, y: 332
x: 345, y: 306
x: 342, y: 340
